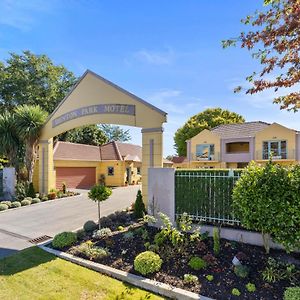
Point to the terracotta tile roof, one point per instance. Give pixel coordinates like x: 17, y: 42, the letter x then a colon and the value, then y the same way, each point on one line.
x: 129, y: 151
x: 179, y: 159
x: 72, y: 151
x: 109, y: 151
x: 239, y: 130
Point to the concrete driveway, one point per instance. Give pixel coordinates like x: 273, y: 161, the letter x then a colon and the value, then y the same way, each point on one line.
x: 19, y: 226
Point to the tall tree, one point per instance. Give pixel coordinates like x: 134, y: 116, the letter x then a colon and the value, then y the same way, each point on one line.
x: 115, y: 133
x: 90, y: 135
x: 207, y: 119
x: 29, y: 122
x: 33, y: 80
x: 275, y: 42
x: 10, y: 143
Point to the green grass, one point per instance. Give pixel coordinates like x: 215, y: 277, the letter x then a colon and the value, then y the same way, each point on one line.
x: 35, y: 274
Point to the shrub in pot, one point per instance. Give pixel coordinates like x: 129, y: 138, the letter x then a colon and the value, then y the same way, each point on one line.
x: 64, y: 239
x: 147, y: 262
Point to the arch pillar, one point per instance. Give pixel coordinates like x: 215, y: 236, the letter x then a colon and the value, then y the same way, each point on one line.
x: 152, y: 155
x: 46, y: 166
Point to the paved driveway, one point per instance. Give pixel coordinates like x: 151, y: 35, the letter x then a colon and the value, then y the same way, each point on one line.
x: 49, y: 218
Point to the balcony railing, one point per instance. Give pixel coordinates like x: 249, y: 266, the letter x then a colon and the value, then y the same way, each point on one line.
x: 211, y: 157
x: 265, y: 155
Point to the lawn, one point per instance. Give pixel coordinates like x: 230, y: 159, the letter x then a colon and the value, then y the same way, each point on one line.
x: 36, y: 274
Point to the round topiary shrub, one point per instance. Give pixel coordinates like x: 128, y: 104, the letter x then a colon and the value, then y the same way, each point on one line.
x: 15, y: 204
x: 64, y: 239
x: 89, y: 226
x: 28, y: 199
x: 25, y: 202
x: 44, y: 198
x: 147, y: 262
x: 197, y: 263
x: 35, y: 200
x: 292, y: 293
x: 3, y: 207
x: 80, y: 234
x: 102, y: 233
x: 8, y: 203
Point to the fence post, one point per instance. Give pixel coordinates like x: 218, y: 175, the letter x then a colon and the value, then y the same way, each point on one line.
x: 161, y: 192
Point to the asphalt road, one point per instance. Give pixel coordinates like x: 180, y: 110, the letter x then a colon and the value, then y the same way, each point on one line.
x: 19, y: 226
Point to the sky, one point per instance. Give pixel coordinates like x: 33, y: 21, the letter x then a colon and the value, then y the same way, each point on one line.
x: 167, y: 52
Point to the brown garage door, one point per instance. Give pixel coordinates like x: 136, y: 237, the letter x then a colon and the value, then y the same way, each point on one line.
x: 81, y: 178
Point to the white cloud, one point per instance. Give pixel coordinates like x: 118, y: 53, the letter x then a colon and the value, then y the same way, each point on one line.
x: 166, y: 57
x: 20, y: 14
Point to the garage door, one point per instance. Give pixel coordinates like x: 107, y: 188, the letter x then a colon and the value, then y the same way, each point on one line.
x: 80, y: 178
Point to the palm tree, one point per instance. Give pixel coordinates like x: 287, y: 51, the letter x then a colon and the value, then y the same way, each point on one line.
x: 29, y: 122
x: 10, y: 143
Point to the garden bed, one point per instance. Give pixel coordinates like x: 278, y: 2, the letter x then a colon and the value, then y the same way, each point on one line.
x: 216, y: 279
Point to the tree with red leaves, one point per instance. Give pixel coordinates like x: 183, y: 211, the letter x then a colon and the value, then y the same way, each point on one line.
x: 276, y: 44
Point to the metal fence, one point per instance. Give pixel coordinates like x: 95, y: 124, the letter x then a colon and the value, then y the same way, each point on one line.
x: 206, y: 195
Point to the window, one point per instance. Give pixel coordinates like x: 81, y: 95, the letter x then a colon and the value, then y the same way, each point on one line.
x: 278, y: 149
x: 110, y: 171
x: 205, y: 152
x: 138, y: 170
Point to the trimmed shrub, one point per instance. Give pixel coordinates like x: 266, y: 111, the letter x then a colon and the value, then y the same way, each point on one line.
x: 241, y: 271
x: 31, y: 191
x: 8, y: 203
x: 80, y: 234
x: 3, y: 207
x: 35, y: 200
x: 64, y: 239
x: 147, y: 262
x: 266, y: 199
x: 89, y: 226
x: 15, y: 204
x: 44, y: 198
x: 25, y: 202
x: 292, y: 293
x: 251, y: 288
x: 197, y: 263
x: 190, y: 278
x: 139, y: 206
x: 103, y: 232
x: 28, y: 199
x: 235, y: 292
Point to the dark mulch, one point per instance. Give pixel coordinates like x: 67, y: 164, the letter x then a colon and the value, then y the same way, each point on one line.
x: 175, y: 265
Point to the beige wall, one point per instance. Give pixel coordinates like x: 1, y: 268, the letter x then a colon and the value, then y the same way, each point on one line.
x: 206, y: 137
x: 275, y: 132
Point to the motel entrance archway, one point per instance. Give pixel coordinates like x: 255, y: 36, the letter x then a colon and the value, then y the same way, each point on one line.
x: 95, y: 100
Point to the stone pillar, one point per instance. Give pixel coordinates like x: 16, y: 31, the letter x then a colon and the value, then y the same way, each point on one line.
x: 152, y: 155
x: 46, y: 166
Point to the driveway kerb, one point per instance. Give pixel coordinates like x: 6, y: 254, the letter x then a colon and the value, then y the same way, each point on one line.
x: 42, y: 202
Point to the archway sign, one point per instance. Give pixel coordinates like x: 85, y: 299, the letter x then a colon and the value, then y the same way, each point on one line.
x: 95, y: 100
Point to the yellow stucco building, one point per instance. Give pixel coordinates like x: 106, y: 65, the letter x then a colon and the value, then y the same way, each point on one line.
x: 95, y: 100
x: 235, y: 145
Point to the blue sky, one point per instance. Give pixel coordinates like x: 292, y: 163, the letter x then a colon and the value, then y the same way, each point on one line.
x: 166, y: 52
